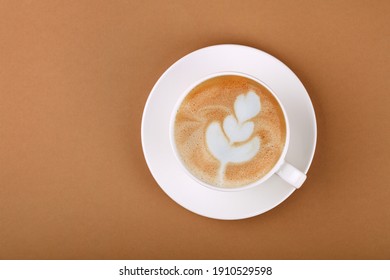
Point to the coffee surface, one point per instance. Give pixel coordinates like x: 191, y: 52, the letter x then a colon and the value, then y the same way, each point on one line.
x: 229, y: 131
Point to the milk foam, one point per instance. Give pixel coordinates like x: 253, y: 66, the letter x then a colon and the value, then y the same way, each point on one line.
x: 247, y: 106
x: 235, y: 131
x: 236, y: 128
x: 222, y: 150
x: 229, y: 131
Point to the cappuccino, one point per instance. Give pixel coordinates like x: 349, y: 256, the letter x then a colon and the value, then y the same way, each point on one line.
x: 229, y: 131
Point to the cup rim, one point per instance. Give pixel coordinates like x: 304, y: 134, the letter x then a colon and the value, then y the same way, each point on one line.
x: 180, y: 100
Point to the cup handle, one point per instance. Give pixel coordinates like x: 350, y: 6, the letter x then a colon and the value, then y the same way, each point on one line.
x: 291, y: 175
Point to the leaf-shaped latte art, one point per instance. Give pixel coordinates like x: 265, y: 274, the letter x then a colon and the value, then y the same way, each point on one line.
x: 220, y: 141
x: 247, y: 106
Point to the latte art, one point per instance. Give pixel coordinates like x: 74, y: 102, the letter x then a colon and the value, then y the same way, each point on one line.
x: 229, y: 131
x: 236, y: 128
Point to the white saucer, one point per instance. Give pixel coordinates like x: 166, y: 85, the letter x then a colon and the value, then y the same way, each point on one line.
x: 155, y: 130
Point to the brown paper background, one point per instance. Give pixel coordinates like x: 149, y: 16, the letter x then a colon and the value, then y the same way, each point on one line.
x: 75, y: 76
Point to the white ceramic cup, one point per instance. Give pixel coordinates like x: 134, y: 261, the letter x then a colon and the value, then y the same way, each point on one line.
x: 282, y: 168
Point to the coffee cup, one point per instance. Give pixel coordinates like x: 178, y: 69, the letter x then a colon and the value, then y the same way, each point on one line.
x: 230, y: 132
